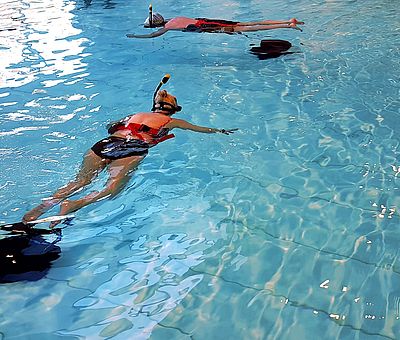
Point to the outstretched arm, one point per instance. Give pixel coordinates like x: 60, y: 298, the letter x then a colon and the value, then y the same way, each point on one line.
x: 184, y: 125
x: 151, y: 35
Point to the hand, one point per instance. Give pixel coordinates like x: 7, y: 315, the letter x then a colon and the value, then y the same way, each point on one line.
x: 227, y: 132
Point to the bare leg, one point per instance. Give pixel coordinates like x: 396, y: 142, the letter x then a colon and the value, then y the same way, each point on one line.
x: 91, y: 166
x: 263, y: 27
x: 120, y: 172
x: 271, y: 22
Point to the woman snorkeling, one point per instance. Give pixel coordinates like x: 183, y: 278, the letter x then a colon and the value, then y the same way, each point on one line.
x: 128, y: 144
x: 209, y: 25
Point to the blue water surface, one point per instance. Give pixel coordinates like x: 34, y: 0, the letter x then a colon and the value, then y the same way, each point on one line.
x: 287, y: 229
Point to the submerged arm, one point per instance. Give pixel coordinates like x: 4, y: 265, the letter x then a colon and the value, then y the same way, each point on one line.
x: 151, y: 35
x: 184, y: 125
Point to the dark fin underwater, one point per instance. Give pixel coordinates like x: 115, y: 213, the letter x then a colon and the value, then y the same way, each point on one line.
x: 269, y: 49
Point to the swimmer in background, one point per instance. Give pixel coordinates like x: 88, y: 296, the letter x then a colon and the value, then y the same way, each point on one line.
x: 121, y: 153
x: 209, y: 25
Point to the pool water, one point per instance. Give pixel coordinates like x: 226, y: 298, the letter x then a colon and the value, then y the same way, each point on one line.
x: 287, y: 229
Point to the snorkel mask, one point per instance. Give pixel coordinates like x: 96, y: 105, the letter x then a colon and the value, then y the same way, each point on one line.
x: 154, y: 20
x: 164, y: 106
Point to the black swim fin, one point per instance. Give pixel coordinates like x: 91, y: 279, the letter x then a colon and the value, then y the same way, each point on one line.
x: 22, y: 228
x: 281, y: 45
x: 271, y: 49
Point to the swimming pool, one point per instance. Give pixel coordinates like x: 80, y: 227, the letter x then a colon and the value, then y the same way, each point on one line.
x: 286, y: 229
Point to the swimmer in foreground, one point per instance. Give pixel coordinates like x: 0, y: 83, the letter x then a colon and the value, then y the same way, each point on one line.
x: 209, y: 25
x: 128, y: 144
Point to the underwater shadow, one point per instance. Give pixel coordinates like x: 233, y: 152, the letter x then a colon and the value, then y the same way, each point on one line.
x: 26, y: 257
x: 270, y: 49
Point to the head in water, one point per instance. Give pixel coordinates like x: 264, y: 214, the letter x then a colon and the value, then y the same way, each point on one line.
x: 166, y: 102
x: 157, y: 21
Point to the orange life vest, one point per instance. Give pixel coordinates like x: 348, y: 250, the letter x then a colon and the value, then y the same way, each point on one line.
x: 153, y: 127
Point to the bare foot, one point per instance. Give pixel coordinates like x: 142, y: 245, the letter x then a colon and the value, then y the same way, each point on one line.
x: 296, y: 22
x: 67, y: 207
x: 35, y: 213
x: 293, y: 25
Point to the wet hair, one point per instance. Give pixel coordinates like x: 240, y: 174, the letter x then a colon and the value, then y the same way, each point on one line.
x: 157, y: 20
x: 161, y: 95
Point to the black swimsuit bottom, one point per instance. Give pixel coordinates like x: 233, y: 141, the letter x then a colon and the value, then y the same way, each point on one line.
x: 116, y: 148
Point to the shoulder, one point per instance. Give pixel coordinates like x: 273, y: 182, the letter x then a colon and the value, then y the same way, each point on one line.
x: 178, y: 19
x: 138, y: 115
x: 175, y: 123
x: 179, y: 23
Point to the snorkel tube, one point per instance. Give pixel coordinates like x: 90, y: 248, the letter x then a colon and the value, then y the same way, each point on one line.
x: 151, y: 16
x: 163, y: 81
x: 171, y: 107
x: 154, y: 19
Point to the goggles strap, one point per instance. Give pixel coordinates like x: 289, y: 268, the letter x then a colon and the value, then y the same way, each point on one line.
x: 161, y: 105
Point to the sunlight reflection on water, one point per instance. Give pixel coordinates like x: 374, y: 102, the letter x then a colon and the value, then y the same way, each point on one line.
x: 285, y: 229
x: 36, y: 39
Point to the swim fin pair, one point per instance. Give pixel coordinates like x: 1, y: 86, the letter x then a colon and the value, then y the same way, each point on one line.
x: 27, y: 228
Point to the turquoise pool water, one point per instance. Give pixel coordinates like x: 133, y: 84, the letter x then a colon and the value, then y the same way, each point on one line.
x: 288, y: 229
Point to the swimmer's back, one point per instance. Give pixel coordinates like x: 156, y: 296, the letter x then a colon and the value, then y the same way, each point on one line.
x: 179, y: 23
x: 152, y: 119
